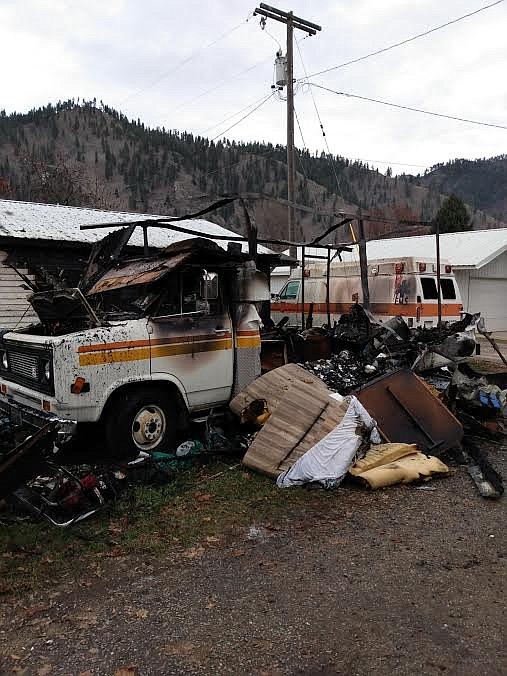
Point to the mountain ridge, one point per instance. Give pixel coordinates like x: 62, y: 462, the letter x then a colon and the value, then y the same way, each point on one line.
x: 89, y: 154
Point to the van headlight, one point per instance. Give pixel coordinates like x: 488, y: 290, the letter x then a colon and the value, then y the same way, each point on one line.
x: 5, y: 361
x: 45, y: 370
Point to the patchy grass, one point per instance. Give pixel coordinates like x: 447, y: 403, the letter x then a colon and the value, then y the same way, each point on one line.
x: 201, y: 505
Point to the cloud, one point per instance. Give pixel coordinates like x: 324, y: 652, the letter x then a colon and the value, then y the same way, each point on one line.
x: 128, y: 54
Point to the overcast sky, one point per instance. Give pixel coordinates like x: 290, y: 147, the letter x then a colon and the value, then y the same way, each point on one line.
x: 129, y: 54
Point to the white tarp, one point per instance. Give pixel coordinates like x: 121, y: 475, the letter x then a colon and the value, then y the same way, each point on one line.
x: 329, y: 460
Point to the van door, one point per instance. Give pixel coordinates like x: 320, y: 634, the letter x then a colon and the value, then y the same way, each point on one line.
x: 191, y: 338
x: 286, y: 303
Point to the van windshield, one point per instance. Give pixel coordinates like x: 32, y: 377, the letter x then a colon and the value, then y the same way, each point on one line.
x: 290, y: 291
x: 429, y: 287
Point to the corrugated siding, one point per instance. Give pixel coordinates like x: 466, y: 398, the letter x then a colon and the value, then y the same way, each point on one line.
x: 15, y: 311
x: 462, y: 280
x: 497, y: 269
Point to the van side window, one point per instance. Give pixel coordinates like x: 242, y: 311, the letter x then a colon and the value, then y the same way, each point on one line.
x: 448, y: 289
x: 290, y: 291
x: 429, y: 287
x: 190, y: 291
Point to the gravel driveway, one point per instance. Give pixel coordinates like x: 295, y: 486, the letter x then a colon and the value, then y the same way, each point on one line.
x: 399, y: 581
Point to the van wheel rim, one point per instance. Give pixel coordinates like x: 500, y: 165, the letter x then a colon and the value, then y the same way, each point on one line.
x: 149, y: 427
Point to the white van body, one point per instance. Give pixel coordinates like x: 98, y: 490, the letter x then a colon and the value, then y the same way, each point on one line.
x: 406, y: 287
x: 190, y: 355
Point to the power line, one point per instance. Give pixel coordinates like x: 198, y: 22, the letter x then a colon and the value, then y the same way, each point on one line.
x: 183, y: 62
x: 388, y: 162
x: 300, y: 158
x: 219, y: 85
x: 266, y: 156
x: 229, y: 117
x: 329, y: 155
x: 266, y: 98
x: 330, y: 158
x: 404, y: 42
x: 414, y: 110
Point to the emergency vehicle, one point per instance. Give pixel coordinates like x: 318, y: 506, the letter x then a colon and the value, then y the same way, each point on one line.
x: 406, y: 287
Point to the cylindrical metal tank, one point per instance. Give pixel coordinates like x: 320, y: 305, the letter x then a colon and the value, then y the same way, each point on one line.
x: 280, y: 70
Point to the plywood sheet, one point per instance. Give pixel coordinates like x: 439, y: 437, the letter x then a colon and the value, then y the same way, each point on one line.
x: 302, y: 413
x: 273, y: 386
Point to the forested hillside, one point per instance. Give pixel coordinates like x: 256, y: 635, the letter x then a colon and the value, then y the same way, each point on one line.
x: 88, y: 154
x: 482, y: 183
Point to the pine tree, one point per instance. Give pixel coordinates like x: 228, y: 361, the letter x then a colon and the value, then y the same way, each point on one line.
x: 453, y: 216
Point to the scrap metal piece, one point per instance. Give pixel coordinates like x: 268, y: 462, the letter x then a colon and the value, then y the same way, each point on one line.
x: 488, y: 481
x: 406, y: 411
x: 132, y: 272
x: 493, y: 343
x: 452, y: 349
x: 22, y: 463
x: 485, y: 487
x: 62, y: 305
x: 137, y: 272
x: 104, y: 252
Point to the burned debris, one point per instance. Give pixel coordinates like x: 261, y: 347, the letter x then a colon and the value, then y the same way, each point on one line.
x: 147, y: 344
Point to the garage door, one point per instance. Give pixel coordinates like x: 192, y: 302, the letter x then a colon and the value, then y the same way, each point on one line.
x: 489, y: 297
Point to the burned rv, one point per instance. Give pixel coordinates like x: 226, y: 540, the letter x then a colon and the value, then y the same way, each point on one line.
x: 142, y: 344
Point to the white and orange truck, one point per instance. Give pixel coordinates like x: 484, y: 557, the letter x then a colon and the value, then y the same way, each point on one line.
x: 404, y: 287
x: 141, y: 346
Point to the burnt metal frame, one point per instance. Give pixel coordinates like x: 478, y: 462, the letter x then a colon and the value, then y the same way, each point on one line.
x: 253, y: 240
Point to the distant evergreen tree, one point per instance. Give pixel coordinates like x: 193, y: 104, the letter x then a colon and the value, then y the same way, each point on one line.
x: 453, y: 216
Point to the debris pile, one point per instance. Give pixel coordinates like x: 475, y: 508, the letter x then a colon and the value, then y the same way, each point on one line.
x: 364, y: 411
x: 342, y: 372
x: 331, y: 434
x: 359, y: 348
x: 378, y: 363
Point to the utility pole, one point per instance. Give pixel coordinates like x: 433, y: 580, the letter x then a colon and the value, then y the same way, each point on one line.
x: 292, y: 22
x: 439, y: 291
x: 291, y: 165
x: 363, y: 263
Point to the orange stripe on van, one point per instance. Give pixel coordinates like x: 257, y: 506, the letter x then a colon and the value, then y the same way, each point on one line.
x: 135, y: 350
x: 248, y: 338
x: 124, y: 345
x: 388, y: 309
x: 130, y: 344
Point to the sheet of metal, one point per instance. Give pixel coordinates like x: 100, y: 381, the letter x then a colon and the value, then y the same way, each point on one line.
x: 406, y: 411
x: 138, y: 272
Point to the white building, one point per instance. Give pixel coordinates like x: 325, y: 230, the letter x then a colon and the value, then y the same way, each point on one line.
x: 478, y: 257
x: 39, y: 235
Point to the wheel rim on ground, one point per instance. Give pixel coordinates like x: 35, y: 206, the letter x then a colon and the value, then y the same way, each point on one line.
x: 149, y: 427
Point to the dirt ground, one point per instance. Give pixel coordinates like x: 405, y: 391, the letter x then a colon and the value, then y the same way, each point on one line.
x: 399, y: 581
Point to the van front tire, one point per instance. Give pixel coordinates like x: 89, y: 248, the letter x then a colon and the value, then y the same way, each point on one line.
x: 141, y: 419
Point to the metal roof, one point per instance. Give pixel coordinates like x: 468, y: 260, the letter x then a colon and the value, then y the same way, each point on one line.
x: 472, y: 249
x: 31, y: 220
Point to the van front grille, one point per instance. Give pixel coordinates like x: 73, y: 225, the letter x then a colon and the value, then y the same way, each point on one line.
x: 27, y: 365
